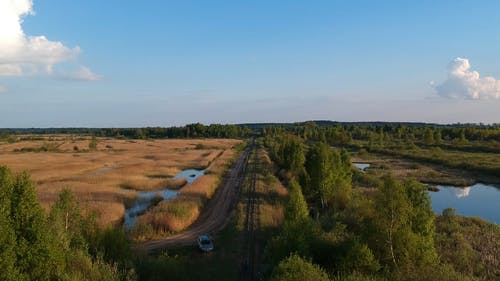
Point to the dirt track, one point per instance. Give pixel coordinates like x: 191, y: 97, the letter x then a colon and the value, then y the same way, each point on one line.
x: 216, y: 213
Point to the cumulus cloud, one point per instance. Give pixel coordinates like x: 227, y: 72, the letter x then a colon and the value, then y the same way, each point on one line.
x: 462, y: 82
x: 21, y: 54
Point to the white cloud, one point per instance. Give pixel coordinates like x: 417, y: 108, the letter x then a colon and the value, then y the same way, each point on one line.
x: 83, y: 74
x: 21, y: 54
x: 462, y: 82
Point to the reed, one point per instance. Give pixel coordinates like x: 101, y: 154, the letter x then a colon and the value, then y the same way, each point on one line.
x: 105, y: 180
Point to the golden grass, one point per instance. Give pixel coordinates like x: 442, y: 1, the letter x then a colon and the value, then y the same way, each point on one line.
x: 206, y: 185
x: 107, y: 179
x: 203, y: 187
x: 172, y: 215
x: 177, y: 214
x: 223, y: 161
x: 272, y: 191
x: 271, y: 216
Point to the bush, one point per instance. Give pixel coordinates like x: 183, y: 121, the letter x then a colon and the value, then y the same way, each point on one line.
x: 360, y: 258
x: 295, y: 268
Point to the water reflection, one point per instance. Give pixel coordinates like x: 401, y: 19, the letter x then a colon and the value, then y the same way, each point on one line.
x: 460, y: 192
x: 479, y: 200
x: 361, y: 166
x: 142, y: 203
x: 144, y: 198
x: 190, y: 175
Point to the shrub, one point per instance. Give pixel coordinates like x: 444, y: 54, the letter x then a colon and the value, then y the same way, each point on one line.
x: 295, y: 268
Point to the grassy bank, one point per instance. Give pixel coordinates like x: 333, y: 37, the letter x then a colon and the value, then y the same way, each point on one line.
x: 474, y: 159
x: 381, y: 164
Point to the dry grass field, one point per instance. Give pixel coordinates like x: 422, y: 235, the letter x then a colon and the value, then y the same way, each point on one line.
x: 175, y: 215
x: 106, y: 179
x: 171, y: 215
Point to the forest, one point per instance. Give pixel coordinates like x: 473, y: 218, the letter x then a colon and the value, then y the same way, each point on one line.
x: 333, y: 231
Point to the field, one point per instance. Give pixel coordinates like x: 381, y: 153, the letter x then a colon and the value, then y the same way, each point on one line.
x: 105, y: 174
x: 171, y: 216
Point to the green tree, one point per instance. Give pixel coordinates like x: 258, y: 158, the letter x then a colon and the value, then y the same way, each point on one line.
x: 72, y: 237
x: 33, y: 248
x: 429, y: 136
x: 319, y: 168
x: 298, y: 230
x: 422, y: 224
x: 115, y: 246
x: 66, y: 221
x: 359, y: 258
x: 295, y: 268
x: 403, y: 231
x: 296, y: 208
x: 34, y: 260
x: 292, y: 154
x: 287, y: 151
x: 8, y: 270
x: 68, y: 243
x: 391, y: 223
x: 328, y: 176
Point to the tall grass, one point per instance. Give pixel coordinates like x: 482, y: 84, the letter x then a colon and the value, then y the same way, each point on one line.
x: 172, y: 215
x: 176, y: 215
x: 107, y: 179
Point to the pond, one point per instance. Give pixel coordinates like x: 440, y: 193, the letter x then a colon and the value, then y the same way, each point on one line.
x: 361, y: 166
x: 144, y: 198
x: 190, y: 175
x: 478, y: 200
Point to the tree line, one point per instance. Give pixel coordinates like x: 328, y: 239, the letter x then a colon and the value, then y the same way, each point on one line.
x: 338, y: 133
x: 196, y: 130
x: 344, y: 133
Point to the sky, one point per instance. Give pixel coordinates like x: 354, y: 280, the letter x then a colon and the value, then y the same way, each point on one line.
x: 114, y: 63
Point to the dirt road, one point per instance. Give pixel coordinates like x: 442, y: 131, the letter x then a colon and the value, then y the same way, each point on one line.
x: 216, y: 213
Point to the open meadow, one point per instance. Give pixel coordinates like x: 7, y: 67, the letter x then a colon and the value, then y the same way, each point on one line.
x: 105, y: 174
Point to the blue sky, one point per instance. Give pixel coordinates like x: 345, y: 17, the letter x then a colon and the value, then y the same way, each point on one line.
x: 162, y: 63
